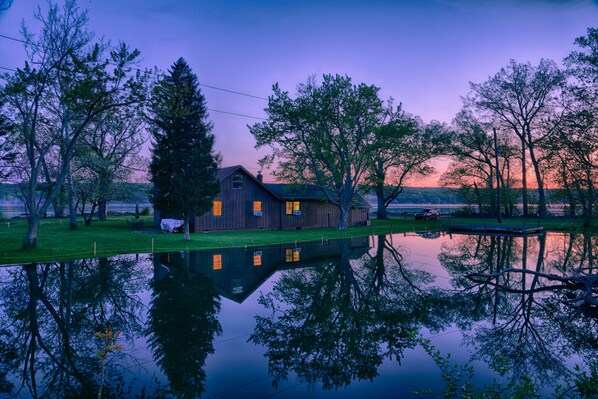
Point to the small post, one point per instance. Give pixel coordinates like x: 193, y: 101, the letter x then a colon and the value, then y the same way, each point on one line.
x: 9, y: 225
x: 94, y: 249
x: 322, y: 240
x: 391, y: 229
x: 295, y: 243
x: 152, y: 245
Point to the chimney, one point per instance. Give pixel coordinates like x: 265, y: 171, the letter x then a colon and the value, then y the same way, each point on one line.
x: 259, y: 177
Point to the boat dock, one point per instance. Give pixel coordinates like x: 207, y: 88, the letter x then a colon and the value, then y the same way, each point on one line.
x: 496, y: 229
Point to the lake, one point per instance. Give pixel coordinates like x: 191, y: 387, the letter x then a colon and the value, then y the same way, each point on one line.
x: 380, y: 316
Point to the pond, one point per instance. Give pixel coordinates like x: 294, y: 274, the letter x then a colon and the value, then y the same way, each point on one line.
x: 396, y: 316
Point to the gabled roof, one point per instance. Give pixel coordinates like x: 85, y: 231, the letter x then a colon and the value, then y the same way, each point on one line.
x: 289, y: 191
x: 309, y: 192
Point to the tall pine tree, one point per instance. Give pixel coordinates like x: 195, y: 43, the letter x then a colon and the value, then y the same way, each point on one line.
x: 184, y: 165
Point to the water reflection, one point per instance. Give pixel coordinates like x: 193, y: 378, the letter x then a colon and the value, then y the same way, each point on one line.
x: 330, y: 314
x: 49, y: 316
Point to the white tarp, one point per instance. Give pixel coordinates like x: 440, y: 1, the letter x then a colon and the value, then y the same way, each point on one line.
x: 170, y: 225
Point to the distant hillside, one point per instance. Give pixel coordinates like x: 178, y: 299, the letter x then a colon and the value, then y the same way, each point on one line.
x: 423, y: 195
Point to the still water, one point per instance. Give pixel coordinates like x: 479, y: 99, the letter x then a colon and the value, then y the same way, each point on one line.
x: 364, y: 317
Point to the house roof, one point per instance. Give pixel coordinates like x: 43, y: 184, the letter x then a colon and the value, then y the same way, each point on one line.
x: 290, y: 191
x: 309, y: 192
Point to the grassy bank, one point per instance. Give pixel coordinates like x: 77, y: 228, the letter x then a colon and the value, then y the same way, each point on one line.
x: 115, y: 236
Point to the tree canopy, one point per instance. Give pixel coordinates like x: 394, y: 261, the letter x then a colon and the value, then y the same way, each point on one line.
x: 184, y: 165
x: 322, y: 136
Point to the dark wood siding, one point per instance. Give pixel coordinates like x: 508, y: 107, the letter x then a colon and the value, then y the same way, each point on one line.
x: 237, y: 207
x: 316, y: 214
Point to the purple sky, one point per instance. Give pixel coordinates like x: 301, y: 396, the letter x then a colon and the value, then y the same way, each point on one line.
x: 423, y: 53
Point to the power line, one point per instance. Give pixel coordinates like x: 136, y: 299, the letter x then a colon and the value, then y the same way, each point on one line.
x: 8, y: 69
x: 234, y: 92
x: 233, y: 113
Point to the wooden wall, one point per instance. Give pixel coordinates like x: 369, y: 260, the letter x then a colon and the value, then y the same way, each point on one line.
x: 237, y: 208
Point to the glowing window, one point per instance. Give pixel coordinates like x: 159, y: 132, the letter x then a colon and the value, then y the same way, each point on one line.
x: 257, y: 206
x: 217, y: 262
x: 296, y: 254
x: 292, y: 207
x: 217, y: 208
x: 292, y: 255
x: 257, y: 260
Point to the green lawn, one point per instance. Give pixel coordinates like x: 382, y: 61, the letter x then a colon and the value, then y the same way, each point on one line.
x: 115, y: 236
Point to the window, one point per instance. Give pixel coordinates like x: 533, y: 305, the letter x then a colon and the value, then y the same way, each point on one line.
x: 238, y: 181
x: 217, y: 208
x: 292, y: 255
x: 257, y: 258
x: 257, y: 208
x: 217, y: 262
x: 293, y: 208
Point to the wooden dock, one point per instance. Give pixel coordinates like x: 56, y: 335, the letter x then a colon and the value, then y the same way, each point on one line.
x: 496, y: 229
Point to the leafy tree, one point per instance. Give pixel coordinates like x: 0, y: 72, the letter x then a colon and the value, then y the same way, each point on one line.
x: 7, y: 147
x: 519, y: 97
x: 323, y: 136
x: 474, y: 168
x: 403, y: 149
x: 575, y: 145
x: 183, y: 166
x: 110, y: 152
x: 90, y: 83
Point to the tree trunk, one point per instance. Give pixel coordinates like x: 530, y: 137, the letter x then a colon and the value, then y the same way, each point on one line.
x: 58, y: 204
x: 30, y: 241
x: 71, y: 197
x: 524, y: 179
x: 542, y: 212
x: 186, y: 235
x: 343, y: 217
x: 104, y: 184
x: 102, y: 211
x: 381, y: 213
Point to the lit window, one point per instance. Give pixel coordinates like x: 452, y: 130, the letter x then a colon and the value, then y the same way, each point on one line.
x: 292, y: 255
x: 238, y: 181
x: 217, y: 208
x: 217, y: 262
x: 257, y: 206
x: 296, y: 254
x: 257, y: 259
x: 293, y: 208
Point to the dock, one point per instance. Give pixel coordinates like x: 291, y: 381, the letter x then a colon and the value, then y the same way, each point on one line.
x: 496, y: 229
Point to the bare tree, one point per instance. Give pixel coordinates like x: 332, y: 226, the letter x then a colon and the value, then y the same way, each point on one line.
x: 92, y: 90
x: 520, y: 96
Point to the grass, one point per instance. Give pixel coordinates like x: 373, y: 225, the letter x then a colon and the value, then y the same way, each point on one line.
x: 115, y: 236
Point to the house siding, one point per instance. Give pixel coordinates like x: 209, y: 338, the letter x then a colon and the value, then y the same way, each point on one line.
x: 237, y: 207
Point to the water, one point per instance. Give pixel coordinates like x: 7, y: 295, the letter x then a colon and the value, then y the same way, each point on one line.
x: 333, y: 319
x: 10, y: 209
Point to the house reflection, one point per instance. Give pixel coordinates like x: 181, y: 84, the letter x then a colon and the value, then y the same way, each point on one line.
x: 237, y: 272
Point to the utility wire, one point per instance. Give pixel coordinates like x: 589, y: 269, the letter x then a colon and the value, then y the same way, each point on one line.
x: 233, y: 113
x: 234, y: 92
x: 200, y: 84
x: 13, y: 38
x: 8, y: 69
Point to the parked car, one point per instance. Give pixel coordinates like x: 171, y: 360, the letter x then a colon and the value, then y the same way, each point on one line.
x: 428, y: 214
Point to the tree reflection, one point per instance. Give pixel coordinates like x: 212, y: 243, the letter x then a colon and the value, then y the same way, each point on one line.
x: 529, y: 327
x: 338, y: 321
x: 49, y: 315
x: 182, y: 326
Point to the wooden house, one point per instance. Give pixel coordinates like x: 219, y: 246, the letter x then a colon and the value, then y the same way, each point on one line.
x: 246, y: 203
x: 237, y: 272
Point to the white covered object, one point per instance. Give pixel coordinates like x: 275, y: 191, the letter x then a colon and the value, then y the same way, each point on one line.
x: 170, y: 225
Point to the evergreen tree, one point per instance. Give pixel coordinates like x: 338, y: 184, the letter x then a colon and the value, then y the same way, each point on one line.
x: 184, y: 165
